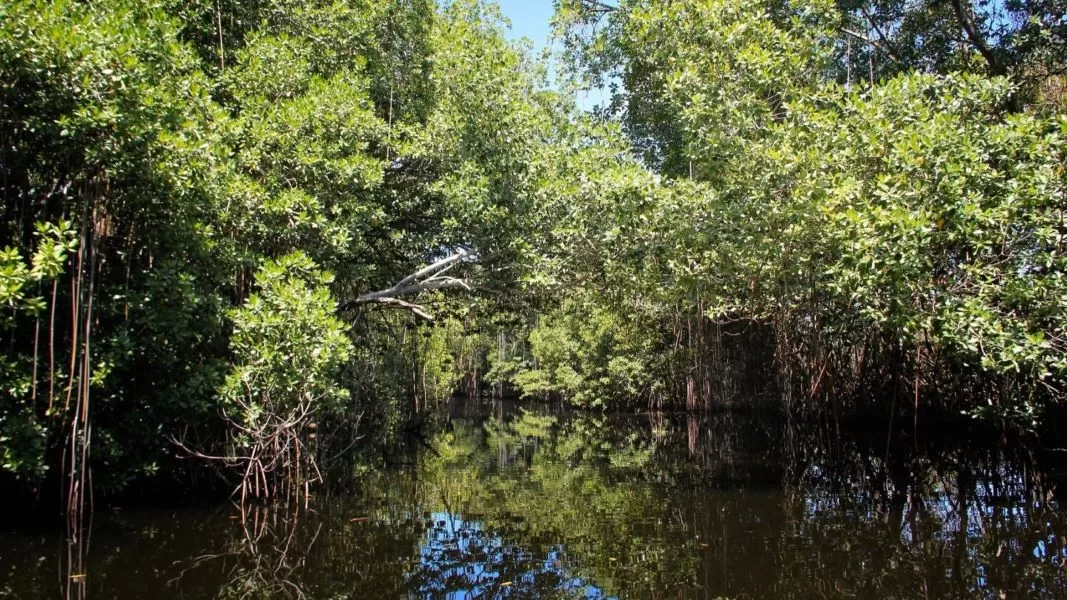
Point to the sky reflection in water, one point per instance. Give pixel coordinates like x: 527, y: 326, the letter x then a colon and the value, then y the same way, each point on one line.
x: 460, y: 560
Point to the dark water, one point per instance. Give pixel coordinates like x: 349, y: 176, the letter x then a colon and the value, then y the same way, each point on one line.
x: 538, y: 505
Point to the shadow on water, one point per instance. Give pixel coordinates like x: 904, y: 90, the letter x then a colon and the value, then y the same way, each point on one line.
x: 504, y: 502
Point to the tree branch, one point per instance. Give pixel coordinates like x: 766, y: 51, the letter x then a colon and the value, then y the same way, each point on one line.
x: 975, y: 37
x: 398, y: 303
x: 879, y: 45
x: 596, y: 6
x: 407, y: 290
x: 437, y: 266
x: 411, y: 285
x: 886, y: 45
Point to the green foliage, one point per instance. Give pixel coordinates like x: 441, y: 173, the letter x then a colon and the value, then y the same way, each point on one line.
x: 189, y: 144
x: 105, y: 117
x: 944, y: 224
x: 177, y: 149
x: 920, y: 212
x: 287, y: 345
x: 589, y: 356
x: 55, y: 243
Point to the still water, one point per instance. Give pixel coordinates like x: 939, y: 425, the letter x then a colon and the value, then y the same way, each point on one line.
x: 507, y: 502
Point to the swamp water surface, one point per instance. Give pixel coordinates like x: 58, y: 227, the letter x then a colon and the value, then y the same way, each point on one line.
x: 510, y: 503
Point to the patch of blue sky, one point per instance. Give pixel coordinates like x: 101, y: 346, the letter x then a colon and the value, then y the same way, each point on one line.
x: 532, y: 19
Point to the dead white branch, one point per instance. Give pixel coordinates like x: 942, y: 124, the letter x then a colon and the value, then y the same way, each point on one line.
x: 398, y: 303
x: 426, y: 279
x: 435, y: 268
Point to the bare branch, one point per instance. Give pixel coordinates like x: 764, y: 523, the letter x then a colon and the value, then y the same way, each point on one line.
x: 398, y: 303
x: 873, y: 42
x: 436, y: 267
x: 407, y: 290
x: 191, y: 452
x: 410, y: 285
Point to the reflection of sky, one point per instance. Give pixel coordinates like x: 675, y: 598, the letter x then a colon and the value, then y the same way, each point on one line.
x: 459, y: 560
x: 997, y: 499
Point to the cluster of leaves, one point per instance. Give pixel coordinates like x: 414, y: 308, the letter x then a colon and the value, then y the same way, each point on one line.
x: 287, y: 343
x: 920, y: 212
x: 213, y: 156
x: 588, y: 356
x: 288, y: 348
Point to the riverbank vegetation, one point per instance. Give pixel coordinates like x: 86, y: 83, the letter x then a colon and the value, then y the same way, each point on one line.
x: 248, y: 234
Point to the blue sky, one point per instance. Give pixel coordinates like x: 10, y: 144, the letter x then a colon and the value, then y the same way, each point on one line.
x: 530, y: 19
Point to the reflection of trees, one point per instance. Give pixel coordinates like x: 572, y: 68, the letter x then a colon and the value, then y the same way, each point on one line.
x: 648, y: 506
x: 959, y: 519
x: 710, y: 505
x: 536, y: 485
x: 264, y: 560
x: 956, y: 520
x: 272, y: 551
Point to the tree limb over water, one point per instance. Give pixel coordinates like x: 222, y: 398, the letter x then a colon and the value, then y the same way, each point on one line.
x: 414, y: 284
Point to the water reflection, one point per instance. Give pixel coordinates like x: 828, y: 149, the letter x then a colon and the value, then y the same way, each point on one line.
x: 461, y: 560
x: 543, y: 504
x: 264, y: 561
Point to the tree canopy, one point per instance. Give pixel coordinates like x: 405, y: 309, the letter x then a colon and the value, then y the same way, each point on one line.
x: 218, y: 216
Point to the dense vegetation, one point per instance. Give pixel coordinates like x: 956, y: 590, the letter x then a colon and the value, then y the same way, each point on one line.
x: 897, y: 223
x: 216, y: 216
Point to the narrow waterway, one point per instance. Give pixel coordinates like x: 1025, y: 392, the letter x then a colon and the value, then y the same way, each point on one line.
x: 504, y: 502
